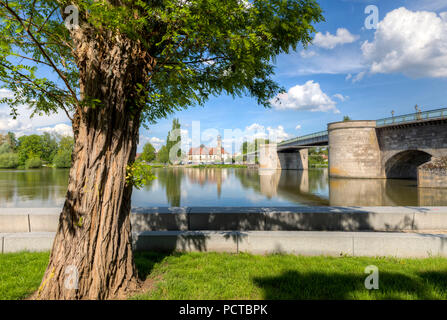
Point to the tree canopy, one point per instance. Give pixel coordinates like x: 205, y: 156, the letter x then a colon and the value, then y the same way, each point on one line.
x: 173, y: 140
x: 200, y: 48
x: 148, y: 153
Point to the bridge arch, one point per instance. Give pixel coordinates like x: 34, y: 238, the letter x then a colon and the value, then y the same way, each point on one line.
x: 404, y: 164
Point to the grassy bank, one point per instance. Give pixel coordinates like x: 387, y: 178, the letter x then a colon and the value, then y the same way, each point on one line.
x: 243, y: 276
x: 158, y: 165
x: 218, y: 166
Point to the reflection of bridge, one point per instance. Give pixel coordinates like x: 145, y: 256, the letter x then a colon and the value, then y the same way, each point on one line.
x: 293, y: 186
x: 387, y: 148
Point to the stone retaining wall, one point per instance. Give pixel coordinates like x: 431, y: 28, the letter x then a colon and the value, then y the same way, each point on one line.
x: 433, y: 174
x: 400, y: 245
x: 249, y: 218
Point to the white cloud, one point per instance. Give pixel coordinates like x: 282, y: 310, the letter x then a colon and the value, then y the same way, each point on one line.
x: 233, y: 138
x: 5, y: 93
x: 330, y: 41
x: 298, y: 127
x: 258, y: 131
x: 412, y: 43
x: 254, y: 127
x: 349, y: 76
x: 305, y: 97
x: 156, y: 142
x: 430, y: 5
x: 359, y: 77
x: 307, y: 54
x: 24, y: 123
x: 340, y: 97
x: 7, y: 123
x: 61, y: 128
x: 277, y: 134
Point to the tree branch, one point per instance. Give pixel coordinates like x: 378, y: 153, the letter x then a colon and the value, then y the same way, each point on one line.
x: 24, y: 76
x: 42, y: 50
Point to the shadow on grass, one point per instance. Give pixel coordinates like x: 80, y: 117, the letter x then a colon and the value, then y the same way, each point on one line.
x: 293, y: 285
x: 145, y: 261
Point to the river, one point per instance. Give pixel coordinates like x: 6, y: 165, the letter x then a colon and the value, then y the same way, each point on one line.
x: 228, y: 187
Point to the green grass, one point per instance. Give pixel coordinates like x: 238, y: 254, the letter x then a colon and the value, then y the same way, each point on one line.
x: 158, y: 165
x: 244, y: 276
x: 21, y: 273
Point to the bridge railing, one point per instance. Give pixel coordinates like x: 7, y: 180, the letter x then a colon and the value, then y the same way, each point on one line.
x: 413, y: 117
x: 306, y: 137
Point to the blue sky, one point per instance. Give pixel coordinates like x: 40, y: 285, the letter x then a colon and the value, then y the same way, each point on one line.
x: 349, y: 70
x: 372, y: 97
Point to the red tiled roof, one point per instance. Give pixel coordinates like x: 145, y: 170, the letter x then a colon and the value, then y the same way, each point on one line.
x: 205, y: 151
x: 198, y: 151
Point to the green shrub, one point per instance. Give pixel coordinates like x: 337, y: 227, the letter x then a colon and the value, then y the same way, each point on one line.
x: 5, y: 148
x: 9, y: 160
x: 33, y: 163
x: 62, y: 159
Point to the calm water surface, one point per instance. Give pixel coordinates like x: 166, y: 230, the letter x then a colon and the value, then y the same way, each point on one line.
x: 228, y: 187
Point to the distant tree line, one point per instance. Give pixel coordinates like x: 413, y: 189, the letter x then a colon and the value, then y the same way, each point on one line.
x: 33, y: 151
x: 248, y: 147
x: 162, y: 156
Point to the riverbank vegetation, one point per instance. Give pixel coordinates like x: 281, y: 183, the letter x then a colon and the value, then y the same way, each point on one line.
x: 34, y: 151
x: 318, y: 157
x: 245, y: 276
x: 219, y: 166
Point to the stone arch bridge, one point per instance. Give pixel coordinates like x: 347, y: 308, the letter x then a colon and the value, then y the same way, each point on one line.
x: 387, y: 148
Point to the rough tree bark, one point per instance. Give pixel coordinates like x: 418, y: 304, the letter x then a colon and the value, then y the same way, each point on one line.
x: 93, y: 243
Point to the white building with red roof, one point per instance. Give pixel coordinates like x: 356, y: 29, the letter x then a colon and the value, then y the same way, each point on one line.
x: 209, y: 155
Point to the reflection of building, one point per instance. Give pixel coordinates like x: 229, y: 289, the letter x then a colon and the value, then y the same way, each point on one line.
x: 207, y: 177
x: 209, y: 155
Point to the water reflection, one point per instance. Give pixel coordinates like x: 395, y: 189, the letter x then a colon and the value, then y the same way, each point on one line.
x: 228, y: 187
x: 291, y: 185
x: 380, y: 192
x: 33, y: 188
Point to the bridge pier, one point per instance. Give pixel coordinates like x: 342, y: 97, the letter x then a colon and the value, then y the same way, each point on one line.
x: 354, y: 150
x: 268, y: 157
x: 296, y: 160
x: 272, y: 159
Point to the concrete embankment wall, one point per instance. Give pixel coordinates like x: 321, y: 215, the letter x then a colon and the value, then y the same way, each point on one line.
x: 256, y: 230
x: 249, y: 219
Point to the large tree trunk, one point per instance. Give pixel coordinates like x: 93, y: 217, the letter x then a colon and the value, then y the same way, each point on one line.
x: 92, y: 252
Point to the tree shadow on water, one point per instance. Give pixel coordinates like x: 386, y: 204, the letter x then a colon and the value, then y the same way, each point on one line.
x: 294, y: 285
